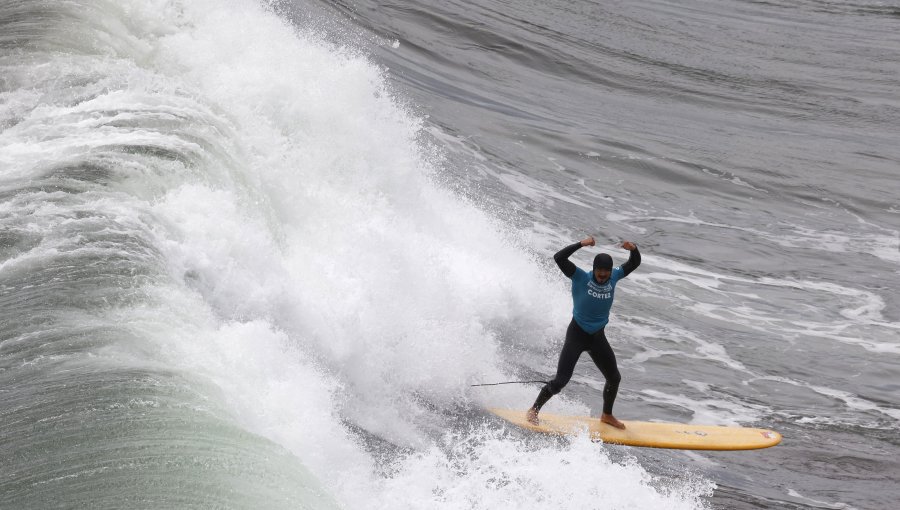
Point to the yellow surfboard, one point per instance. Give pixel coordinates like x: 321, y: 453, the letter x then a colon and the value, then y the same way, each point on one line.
x: 648, y: 434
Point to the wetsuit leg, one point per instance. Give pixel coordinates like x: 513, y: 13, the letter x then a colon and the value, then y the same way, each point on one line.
x: 577, y: 341
x: 605, y: 359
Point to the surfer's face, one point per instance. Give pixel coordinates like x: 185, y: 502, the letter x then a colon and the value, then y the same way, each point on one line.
x: 601, y: 275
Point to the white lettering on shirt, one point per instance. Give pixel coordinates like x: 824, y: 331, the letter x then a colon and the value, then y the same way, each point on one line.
x: 599, y: 291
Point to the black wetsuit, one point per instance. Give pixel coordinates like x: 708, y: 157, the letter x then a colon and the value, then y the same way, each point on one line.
x: 578, y: 340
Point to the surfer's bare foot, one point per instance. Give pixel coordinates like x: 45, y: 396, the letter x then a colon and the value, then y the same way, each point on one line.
x: 611, y: 420
x: 531, y: 416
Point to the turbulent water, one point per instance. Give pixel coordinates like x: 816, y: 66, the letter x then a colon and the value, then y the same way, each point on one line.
x: 253, y: 255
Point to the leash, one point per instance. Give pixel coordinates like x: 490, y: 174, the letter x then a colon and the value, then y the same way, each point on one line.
x: 509, y: 382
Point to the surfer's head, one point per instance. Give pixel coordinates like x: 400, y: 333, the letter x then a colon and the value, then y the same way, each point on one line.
x: 603, y: 264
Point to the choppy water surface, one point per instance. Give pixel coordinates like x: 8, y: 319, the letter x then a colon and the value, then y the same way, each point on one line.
x: 253, y: 255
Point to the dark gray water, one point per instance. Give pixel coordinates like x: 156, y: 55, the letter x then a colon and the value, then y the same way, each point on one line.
x: 253, y: 256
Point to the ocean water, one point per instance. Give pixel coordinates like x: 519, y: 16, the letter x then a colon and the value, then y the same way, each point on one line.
x: 255, y: 254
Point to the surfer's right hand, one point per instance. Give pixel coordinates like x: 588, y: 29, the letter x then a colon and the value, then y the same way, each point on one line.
x: 588, y: 242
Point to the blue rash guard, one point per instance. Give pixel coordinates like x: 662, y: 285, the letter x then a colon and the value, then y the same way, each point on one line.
x: 592, y: 301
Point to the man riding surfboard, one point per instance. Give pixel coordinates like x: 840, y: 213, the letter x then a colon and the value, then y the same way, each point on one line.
x: 592, y: 298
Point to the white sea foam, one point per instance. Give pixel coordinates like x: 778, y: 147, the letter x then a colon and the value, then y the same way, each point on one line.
x: 709, y: 411
x: 877, y: 240
x: 850, y: 401
x: 690, y: 344
x: 535, y: 190
x: 819, y: 503
x: 483, y: 470
x: 856, y: 403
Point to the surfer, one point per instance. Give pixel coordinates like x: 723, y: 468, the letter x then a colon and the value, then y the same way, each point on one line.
x: 592, y: 296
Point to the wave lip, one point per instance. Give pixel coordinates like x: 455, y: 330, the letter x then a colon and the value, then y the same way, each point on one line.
x: 92, y: 414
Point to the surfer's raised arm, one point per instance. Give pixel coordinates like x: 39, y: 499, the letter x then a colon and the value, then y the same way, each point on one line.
x: 634, y: 258
x: 562, y: 256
